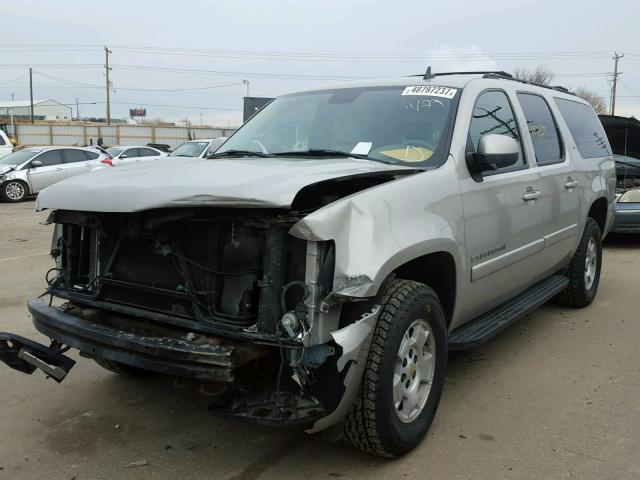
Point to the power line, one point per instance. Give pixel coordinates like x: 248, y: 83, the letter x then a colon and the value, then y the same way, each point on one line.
x: 75, y: 84
x: 14, y: 80
x: 242, y: 74
x: 143, y: 104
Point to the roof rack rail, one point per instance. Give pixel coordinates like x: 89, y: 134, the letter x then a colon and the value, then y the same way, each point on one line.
x: 428, y: 75
x: 536, y: 84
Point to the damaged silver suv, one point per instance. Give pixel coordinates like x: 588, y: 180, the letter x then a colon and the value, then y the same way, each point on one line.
x: 320, y: 265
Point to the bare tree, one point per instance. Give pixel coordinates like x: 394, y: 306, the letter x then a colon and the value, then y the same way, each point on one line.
x: 539, y: 74
x: 597, y: 102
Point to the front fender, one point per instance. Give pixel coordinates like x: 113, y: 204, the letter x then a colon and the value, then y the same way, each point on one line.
x: 382, y: 228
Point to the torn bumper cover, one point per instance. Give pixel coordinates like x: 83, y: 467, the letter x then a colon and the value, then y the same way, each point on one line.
x: 355, y: 340
x: 136, y: 345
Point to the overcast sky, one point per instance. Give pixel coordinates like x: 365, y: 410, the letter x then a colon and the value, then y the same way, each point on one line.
x: 284, y: 46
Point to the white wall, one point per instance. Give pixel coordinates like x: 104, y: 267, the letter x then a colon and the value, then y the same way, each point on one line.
x: 52, y: 110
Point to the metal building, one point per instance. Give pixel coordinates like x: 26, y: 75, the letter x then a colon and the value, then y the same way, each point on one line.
x: 42, y: 110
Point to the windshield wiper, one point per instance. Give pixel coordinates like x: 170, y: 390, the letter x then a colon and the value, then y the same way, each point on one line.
x: 323, y: 152
x: 239, y: 153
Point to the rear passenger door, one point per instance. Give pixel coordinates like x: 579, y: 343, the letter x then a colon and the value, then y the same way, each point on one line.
x: 78, y: 161
x: 501, y: 214
x: 50, y: 172
x: 559, y: 199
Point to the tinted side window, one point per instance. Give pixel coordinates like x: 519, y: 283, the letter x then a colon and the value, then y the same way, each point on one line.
x: 53, y: 157
x: 542, y: 128
x: 73, y: 156
x: 585, y: 128
x: 91, y: 155
x: 2, y: 142
x: 146, y: 152
x: 492, y: 113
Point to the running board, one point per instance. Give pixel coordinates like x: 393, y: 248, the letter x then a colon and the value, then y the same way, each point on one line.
x: 487, y: 325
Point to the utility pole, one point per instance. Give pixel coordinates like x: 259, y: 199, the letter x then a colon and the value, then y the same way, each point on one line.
x: 616, y: 57
x: 246, y: 82
x: 106, y: 69
x: 31, y: 92
x: 77, y: 110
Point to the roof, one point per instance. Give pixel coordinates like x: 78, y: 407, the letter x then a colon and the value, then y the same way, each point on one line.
x: 27, y: 103
x: 446, y: 79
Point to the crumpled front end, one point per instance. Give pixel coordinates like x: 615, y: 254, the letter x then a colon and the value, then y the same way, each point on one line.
x: 217, y: 295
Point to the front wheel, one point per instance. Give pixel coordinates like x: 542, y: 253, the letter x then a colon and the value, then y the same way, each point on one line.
x: 404, y: 374
x: 14, y: 191
x: 584, y: 269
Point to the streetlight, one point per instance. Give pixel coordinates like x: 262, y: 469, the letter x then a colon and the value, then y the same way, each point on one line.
x: 77, y: 109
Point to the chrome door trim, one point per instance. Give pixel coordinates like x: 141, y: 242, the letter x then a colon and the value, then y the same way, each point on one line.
x: 560, y: 235
x: 498, y: 263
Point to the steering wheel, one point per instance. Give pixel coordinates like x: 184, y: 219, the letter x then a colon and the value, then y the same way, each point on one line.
x: 259, y: 143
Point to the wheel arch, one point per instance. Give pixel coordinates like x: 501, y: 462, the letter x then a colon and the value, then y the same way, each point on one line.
x: 438, y: 271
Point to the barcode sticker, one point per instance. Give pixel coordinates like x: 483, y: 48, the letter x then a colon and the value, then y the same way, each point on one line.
x: 430, y: 90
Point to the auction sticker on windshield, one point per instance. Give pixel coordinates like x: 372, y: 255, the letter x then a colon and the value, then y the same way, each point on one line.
x: 430, y: 90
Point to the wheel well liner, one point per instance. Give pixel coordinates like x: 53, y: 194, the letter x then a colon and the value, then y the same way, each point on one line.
x: 598, y: 212
x: 438, y: 271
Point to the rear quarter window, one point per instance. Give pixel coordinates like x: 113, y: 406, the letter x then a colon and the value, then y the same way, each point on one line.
x: 585, y: 128
x: 542, y: 129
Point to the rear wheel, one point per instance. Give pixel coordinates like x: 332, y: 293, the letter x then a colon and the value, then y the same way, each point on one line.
x: 121, y: 368
x: 14, y: 191
x: 584, y: 269
x: 404, y: 375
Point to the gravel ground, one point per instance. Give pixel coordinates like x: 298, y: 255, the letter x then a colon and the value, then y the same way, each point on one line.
x: 555, y: 396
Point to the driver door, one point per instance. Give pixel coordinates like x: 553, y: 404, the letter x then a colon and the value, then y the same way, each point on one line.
x: 50, y: 172
x: 502, y: 216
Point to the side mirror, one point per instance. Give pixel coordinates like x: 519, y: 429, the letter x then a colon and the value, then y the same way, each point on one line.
x: 494, y: 152
x: 124, y: 155
x: 35, y: 163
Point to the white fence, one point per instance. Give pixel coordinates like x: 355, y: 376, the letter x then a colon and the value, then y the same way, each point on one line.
x: 80, y: 135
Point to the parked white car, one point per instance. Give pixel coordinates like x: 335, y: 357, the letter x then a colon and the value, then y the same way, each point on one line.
x: 126, y: 154
x: 6, y: 147
x: 198, y: 148
x: 29, y: 170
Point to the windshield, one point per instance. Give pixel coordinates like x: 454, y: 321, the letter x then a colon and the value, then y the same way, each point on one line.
x: 189, y: 149
x: 404, y: 125
x: 19, y: 157
x: 114, y: 152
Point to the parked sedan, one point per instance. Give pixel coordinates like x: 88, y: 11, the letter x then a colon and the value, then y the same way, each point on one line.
x: 123, y: 155
x: 627, y: 218
x: 29, y: 170
x: 198, y: 148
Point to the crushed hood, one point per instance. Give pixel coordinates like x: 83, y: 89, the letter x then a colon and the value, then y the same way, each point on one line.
x: 242, y: 182
x: 6, y: 168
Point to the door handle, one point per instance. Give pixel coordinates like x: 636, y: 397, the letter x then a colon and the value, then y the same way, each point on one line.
x: 571, y: 184
x: 88, y: 165
x: 531, y: 195
x: 58, y: 169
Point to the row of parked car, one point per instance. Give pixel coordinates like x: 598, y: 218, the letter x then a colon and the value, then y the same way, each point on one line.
x: 27, y: 171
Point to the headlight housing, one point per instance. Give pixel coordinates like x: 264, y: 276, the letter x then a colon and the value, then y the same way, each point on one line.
x: 630, y: 196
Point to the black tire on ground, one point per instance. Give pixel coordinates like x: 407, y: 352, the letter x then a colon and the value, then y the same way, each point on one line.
x: 14, y: 191
x: 373, y: 425
x: 577, y: 294
x: 122, y: 369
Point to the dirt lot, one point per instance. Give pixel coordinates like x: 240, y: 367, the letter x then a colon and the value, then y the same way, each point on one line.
x: 556, y: 396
